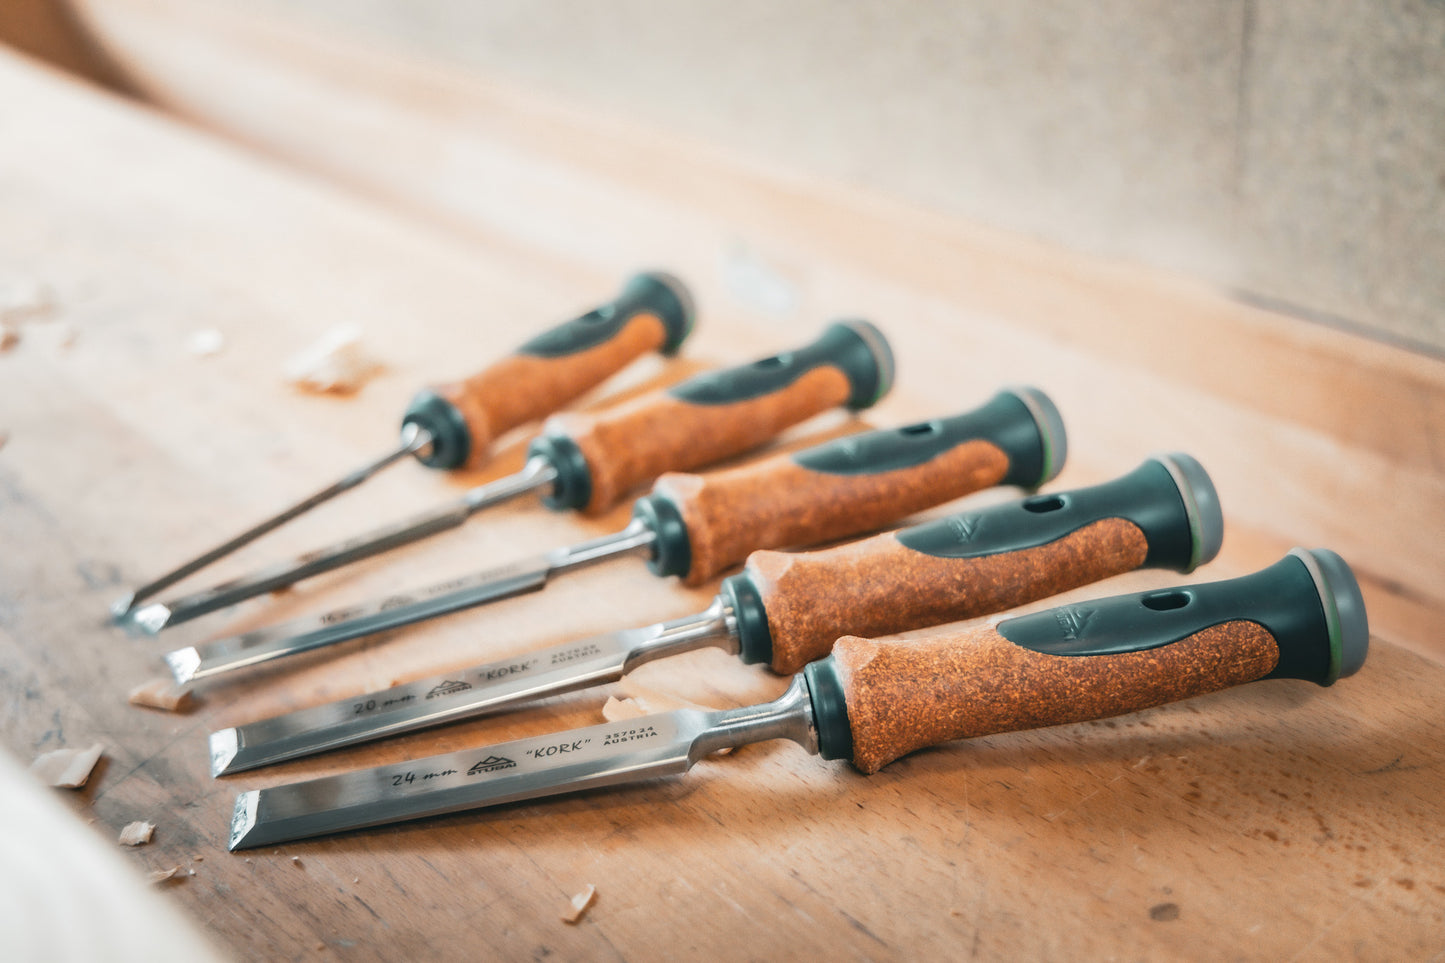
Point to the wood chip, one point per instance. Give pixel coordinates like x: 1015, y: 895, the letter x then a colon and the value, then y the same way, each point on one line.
x: 9, y: 337
x: 580, y: 904
x: 67, y: 768
x: 642, y: 701
x: 161, y: 693
x: 206, y: 342
x: 22, y: 299
x: 336, y: 364
x: 137, y: 833
x: 161, y: 875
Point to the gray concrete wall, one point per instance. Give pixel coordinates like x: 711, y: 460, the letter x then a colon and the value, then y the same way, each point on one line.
x: 1292, y: 151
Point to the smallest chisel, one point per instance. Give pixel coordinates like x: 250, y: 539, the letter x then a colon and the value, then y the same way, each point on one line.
x: 873, y: 701
x: 787, y: 609
x: 454, y: 425
x: 695, y: 526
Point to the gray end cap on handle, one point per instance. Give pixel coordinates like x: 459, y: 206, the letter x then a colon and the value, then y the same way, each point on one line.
x: 672, y: 301
x: 1052, y: 435
x: 1201, y: 504
x: 1344, y: 607
x: 872, y: 378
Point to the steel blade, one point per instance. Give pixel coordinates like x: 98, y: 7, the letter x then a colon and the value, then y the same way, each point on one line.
x: 339, y: 625
x: 153, y: 618
x: 413, y: 440
x: 582, y: 759
x: 461, y: 695
x: 312, y: 632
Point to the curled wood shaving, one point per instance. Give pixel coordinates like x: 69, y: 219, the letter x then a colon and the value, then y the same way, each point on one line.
x: 67, y: 768
x: 137, y: 833
x: 579, y: 905
x: 335, y: 364
x: 9, y: 337
x: 161, y: 875
x: 615, y: 709
x: 161, y: 693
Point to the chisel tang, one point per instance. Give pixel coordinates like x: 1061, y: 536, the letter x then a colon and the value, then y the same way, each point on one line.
x: 1301, y: 618
x: 601, y: 456
x: 654, y: 312
x: 707, y: 523
x: 789, y: 608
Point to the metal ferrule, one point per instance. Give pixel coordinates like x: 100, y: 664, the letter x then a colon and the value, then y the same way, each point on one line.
x: 790, y: 716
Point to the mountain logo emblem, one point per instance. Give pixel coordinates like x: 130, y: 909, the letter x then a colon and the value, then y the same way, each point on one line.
x: 449, y: 687
x: 491, y: 764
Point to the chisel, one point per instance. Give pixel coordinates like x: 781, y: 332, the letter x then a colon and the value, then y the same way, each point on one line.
x: 873, y: 701
x: 787, y: 610
x: 695, y: 526
x: 453, y: 426
x: 591, y: 460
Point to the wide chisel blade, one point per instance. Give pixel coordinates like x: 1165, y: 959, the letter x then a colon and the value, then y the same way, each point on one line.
x: 461, y: 694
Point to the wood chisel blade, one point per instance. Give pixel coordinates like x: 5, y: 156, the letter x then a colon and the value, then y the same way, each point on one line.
x: 458, y: 695
x: 592, y: 758
x: 393, y: 611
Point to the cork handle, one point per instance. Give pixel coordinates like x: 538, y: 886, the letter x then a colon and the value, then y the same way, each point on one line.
x: 779, y: 503
x: 903, y: 696
x: 879, y: 586
x: 1301, y: 618
x: 790, y: 608
x: 602, y: 456
x: 525, y: 387
x: 465, y: 417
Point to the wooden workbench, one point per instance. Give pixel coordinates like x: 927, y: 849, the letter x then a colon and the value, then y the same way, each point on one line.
x: 1276, y: 821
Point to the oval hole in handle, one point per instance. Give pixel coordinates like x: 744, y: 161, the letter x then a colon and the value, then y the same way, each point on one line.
x: 598, y: 315
x: 1166, y: 601
x: 1044, y: 503
x: 776, y: 361
x: 922, y: 428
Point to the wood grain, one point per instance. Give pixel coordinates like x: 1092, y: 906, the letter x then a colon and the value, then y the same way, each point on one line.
x: 632, y: 443
x: 778, y: 503
x: 126, y: 453
x: 903, y: 696
x: 877, y: 586
x: 524, y: 388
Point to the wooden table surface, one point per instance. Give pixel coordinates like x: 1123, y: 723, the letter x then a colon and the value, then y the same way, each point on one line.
x: 1276, y: 821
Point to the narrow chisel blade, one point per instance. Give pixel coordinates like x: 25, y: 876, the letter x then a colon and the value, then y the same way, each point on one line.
x: 339, y: 625
x: 460, y: 694
x: 561, y: 762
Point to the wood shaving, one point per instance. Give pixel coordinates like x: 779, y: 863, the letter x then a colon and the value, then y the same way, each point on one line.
x: 335, y: 364
x: 67, y: 768
x: 579, y: 905
x: 205, y: 342
x: 9, y: 337
x: 22, y: 299
x: 4, y: 438
x: 642, y: 701
x: 161, y: 693
x: 137, y: 833
x: 161, y: 875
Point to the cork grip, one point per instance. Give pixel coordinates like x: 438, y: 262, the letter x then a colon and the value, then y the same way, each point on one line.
x: 778, y: 502
x: 634, y: 443
x: 903, y: 696
x: 878, y: 586
x: 526, y: 387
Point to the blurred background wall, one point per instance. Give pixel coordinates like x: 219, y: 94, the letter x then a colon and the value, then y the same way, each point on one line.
x: 1292, y: 152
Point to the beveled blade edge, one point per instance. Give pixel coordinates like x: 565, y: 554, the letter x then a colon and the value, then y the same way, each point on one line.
x: 548, y: 765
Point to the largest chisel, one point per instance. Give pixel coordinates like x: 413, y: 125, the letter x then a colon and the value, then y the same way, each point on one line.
x: 874, y: 701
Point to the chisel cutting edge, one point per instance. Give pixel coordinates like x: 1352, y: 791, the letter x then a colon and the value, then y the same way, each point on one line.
x: 453, y: 426
x: 589, y: 461
x: 695, y: 526
x: 873, y: 701
x: 786, y: 610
